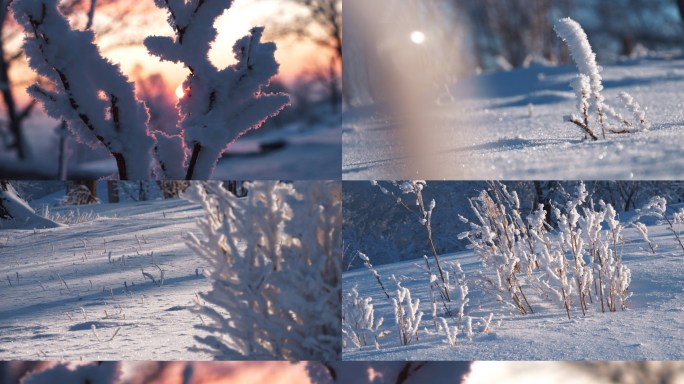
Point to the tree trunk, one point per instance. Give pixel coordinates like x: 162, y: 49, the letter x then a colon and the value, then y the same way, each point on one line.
x: 4, y: 189
x: 15, y: 116
x: 113, y: 191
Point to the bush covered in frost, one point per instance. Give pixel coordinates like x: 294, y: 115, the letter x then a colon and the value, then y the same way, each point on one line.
x: 578, y: 263
x: 274, y: 260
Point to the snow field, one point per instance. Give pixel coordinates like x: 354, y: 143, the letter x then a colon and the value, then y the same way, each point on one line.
x: 81, y: 294
x: 509, y: 125
x: 649, y: 329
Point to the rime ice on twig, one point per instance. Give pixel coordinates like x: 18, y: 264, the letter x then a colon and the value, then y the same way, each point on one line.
x: 588, y: 86
x: 219, y: 105
x: 88, y: 91
x: 580, y: 50
x: 635, y: 108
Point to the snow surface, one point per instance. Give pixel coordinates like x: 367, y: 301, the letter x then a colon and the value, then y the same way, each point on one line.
x: 40, y: 318
x: 652, y: 327
x: 311, y: 152
x: 509, y: 125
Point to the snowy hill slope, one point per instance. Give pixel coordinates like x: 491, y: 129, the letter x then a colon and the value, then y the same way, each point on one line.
x: 509, y: 125
x: 651, y: 328
x: 57, y: 284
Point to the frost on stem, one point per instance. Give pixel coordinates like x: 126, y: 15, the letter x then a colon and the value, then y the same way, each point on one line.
x: 358, y: 320
x: 588, y: 86
x: 643, y: 231
x: 371, y: 268
x: 657, y: 207
x: 86, y: 90
x: 275, y: 260
x: 406, y: 315
x: 416, y: 187
x: 219, y: 105
x: 635, y: 108
x: 580, y: 50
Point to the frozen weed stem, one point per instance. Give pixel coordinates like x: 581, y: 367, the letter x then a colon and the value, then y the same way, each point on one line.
x: 358, y: 320
x: 588, y: 87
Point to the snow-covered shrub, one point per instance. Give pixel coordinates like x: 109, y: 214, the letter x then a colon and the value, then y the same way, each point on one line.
x: 86, y: 90
x: 406, y: 315
x: 99, y: 104
x: 69, y: 217
x: 275, y: 261
x: 463, y: 299
x: 635, y: 108
x: 500, y: 242
x: 358, y: 321
x: 643, y: 231
x: 105, y: 372
x: 572, y: 259
x: 16, y: 213
x: 78, y: 195
x: 588, y: 87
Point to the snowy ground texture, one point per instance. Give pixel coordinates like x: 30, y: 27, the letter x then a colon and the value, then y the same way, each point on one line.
x: 651, y: 328
x: 509, y: 125
x: 64, y: 283
x: 296, y: 152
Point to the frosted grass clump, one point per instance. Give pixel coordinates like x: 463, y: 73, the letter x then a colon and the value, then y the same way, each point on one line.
x: 275, y: 262
x: 588, y: 87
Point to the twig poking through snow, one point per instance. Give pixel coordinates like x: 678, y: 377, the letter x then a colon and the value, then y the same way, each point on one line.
x: 92, y: 328
x: 115, y: 333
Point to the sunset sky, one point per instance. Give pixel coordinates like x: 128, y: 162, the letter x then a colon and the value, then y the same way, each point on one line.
x: 295, y: 56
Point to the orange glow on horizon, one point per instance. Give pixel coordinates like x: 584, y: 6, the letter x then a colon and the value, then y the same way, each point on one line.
x: 297, y: 58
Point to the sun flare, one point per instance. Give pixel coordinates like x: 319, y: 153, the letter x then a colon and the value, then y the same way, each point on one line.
x: 180, y: 92
x: 417, y: 37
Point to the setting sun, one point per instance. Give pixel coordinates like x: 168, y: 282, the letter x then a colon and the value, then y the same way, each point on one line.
x: 179, y: 91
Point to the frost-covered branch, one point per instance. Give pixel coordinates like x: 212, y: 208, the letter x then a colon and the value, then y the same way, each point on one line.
x: 219, y: 105
x: 86, y: 90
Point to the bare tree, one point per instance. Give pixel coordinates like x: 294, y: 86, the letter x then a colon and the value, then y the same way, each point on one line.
x: 321, y: 23
x: 15, y: 114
